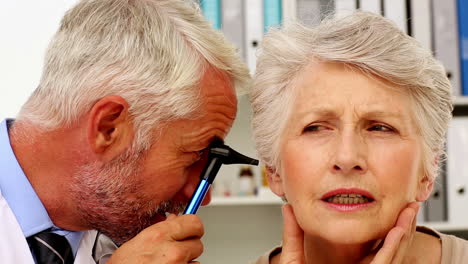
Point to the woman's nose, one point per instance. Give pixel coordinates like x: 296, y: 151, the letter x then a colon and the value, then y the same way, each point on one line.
x: 350, y: 155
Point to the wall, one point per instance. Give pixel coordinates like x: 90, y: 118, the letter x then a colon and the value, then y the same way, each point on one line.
x: 239, y: 234
x: 26, y: 27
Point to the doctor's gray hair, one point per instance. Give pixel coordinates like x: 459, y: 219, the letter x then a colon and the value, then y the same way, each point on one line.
x: 365, y: 41
x: 151, y: 53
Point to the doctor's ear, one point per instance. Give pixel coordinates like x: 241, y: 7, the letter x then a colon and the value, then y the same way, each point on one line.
x: 109, y: 129
x: 275, y: 181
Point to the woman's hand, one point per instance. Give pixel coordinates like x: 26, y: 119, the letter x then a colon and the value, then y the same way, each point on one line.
x: 398, y: 239
x: 393, y: 250
x: 293, y: 239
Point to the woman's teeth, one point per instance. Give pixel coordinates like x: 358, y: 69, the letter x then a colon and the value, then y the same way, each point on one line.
x: 348, y: 199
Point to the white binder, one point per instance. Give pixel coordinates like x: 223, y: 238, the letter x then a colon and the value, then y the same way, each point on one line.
x: 457, y: 171
x: 253, y: 10
x: 396, y: 11
x: 374, y: 6
x: 232, y: 23
x: 289, y: 8
x: 446, y: 43
x: 344, y: 7
x: 421, y: 22
x: 309, y: 12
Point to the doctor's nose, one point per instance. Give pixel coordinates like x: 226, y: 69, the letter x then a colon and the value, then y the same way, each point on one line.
x: 350, y: 157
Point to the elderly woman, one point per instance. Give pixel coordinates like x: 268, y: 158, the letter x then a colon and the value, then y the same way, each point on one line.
x: 350, y: 119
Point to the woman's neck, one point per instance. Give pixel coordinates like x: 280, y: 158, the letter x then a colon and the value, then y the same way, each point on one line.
x: 319, y: 251
x: 424, y: 248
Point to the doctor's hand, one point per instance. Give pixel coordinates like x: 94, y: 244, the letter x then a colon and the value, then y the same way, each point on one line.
x: 398, y: 240
x: 175, y: 240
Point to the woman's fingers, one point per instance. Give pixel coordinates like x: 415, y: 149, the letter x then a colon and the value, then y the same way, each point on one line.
x: 407, y: 221
x: 393, y: 251
x: 293, y: 239
x: 399, y: 239
x: 386, y: 254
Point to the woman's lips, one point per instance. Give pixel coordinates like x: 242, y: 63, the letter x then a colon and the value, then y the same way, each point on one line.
x: 348, y: 191
x: 348, y: 199
x: 348, y: 208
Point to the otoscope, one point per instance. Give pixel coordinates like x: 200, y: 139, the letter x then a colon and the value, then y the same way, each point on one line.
x: 218, y: 154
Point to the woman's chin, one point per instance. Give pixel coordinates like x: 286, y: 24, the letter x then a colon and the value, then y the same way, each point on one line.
x: 348, y: 232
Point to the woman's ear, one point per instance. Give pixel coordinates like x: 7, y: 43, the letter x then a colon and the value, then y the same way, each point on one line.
x: 425, y: 186
x: 275, y: 181
x: 426, y: 183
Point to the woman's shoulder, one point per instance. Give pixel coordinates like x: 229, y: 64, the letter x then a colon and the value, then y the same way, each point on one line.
x: 269, y: 256
x: 432, y: 244
x: 454, y: 250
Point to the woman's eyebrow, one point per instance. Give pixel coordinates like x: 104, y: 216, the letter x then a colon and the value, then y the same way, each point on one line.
x: 329, y: 113
x: 320, y: 111
x: 384, y: 114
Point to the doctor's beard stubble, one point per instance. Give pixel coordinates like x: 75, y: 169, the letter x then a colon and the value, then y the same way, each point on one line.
x: 108, y: 199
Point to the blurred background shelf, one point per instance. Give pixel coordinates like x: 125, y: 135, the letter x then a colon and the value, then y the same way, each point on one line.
x: 461, y: 101
x: 253, y: 200
x: 460, y: 104
x: 445, y: 226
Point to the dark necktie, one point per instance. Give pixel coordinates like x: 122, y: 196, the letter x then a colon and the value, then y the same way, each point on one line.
x: 50, y: 248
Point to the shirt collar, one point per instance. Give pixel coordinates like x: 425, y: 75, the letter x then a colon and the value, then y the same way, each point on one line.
x: 21, y: 197
x: 18, y: 192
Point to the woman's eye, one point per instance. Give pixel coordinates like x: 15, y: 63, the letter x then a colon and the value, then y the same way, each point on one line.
x: 381, y: 128
x: 313, y: 128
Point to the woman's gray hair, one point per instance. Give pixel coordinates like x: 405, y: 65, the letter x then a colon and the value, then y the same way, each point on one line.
x: 151, y: 53
x: 362, y: 40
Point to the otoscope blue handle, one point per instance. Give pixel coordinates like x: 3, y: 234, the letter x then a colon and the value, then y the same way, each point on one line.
x: 198, y: 196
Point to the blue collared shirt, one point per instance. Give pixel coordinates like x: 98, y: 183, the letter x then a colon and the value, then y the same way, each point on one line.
x: 21, y: 197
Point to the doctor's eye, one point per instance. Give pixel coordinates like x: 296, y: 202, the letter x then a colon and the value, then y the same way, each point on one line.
x: 202, y: 154
x: 196, y: 156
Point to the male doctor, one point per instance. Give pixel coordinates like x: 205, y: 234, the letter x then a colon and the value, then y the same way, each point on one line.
x: 110, y: 144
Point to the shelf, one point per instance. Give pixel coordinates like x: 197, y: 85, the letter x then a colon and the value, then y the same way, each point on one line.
x: 234, y: 201
x: 444, y: 226
x: 461, y: 101
x: 460, y: 104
